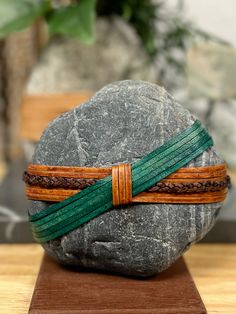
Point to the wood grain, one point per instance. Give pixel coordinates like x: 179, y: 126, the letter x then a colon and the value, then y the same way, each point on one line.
x: 38, y: 110
x: 61, y: 290
x: 19, y: 266
x: 212, y: 267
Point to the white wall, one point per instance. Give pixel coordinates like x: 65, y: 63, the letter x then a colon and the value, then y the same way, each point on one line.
x: 215, y: 16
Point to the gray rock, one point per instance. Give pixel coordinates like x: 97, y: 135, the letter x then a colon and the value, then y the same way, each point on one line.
x: 223, y: 127
x: 217, y: 81
x: 121, y: 123
x: 67, y: 65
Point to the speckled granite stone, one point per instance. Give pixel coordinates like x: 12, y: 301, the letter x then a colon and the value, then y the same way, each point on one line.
x: 121, y: 123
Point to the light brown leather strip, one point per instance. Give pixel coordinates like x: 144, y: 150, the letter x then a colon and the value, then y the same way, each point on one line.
x: 100, y: 173
x: 34, y: 167
x: 197, y: 175
x: 57, y: 195
x: 202, y: 169
x: 52, y: 195
x: 115, y: 186
x: 128, y: 183
x: 121, y: 184
x: 45, y: 168
x: 193, y: 198
x: 69, y: 172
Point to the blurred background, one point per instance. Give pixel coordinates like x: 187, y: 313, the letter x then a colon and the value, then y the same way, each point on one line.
x: 55, y: 54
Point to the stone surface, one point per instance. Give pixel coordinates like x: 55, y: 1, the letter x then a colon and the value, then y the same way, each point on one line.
x: 67, y: 65
x: 121, y: 123
x: 219, y: 117
x: 222, y: 125
x: 211, y: 71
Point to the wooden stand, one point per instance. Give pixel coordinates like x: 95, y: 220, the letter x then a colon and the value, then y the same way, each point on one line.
x: 59, y: 290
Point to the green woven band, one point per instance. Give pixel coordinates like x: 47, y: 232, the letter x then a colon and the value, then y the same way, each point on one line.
x: 61, y: 218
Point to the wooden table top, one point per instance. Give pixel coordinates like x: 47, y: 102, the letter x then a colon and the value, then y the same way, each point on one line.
x: 213, y: 267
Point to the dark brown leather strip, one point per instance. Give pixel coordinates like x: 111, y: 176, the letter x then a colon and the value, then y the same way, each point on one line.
x: 191, y: 187
x: 57, y: 182
x: 166, y: 185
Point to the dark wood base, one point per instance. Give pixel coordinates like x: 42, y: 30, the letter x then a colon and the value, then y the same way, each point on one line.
x: 59, y: 290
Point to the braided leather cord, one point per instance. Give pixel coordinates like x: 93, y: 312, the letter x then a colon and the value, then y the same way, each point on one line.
x: 165, y: 187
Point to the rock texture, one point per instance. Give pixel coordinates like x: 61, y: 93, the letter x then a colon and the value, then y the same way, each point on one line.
x: 67, y: 65
x: 219, y: 117
x: 121, y: 123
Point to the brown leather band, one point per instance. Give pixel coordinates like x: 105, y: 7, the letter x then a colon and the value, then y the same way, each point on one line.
x: 121, y: 184
x: 69, y: 172
x: 166, y: 185
x: 67, y: 176
x: 57, y: 182
x: 115, y: 186
x: 187, y: 185
x: 57, y: 195
x: 100, y: 173
x: 189, y: 198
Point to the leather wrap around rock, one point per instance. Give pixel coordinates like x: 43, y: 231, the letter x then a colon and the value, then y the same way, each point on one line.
x: 123, y: 122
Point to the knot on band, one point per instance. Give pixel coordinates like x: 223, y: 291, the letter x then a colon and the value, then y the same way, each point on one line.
x: 121, y: 185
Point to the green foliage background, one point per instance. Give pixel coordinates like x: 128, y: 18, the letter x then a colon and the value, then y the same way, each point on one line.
x: 76, y: 18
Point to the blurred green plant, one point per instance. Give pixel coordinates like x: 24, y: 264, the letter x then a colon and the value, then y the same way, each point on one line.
x: 16, y: 15
x: 142, y: 14
x: 75, y: 19
x: 162, y: 32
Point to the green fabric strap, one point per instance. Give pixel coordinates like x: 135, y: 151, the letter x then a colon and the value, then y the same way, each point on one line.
x: 61, y: 218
